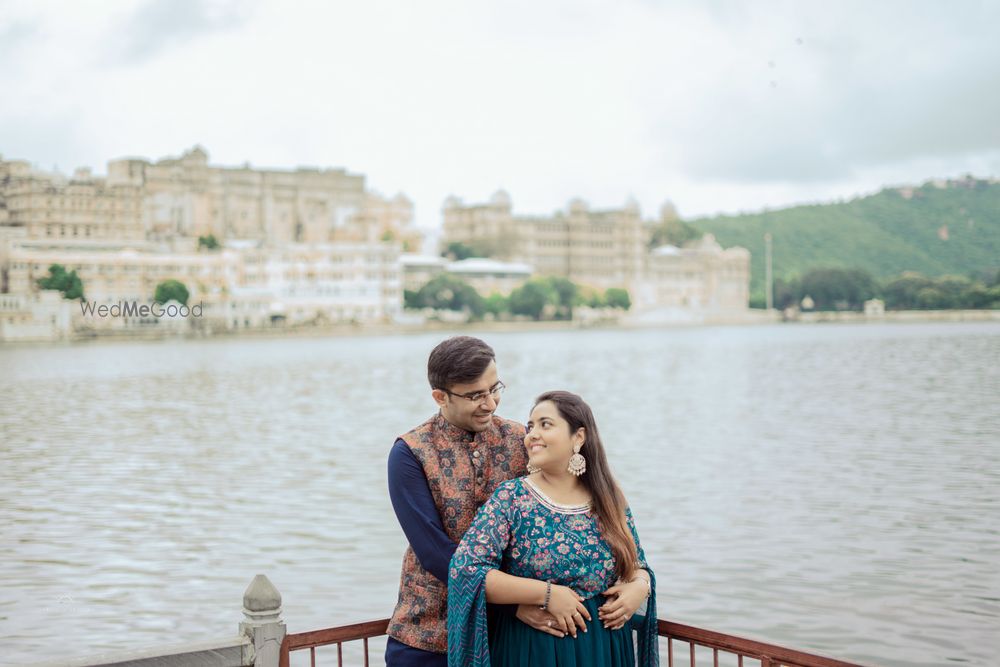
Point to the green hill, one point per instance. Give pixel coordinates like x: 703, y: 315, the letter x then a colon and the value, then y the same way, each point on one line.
x: 951, y: 228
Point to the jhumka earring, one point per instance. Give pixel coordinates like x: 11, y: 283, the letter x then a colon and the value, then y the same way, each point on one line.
x: 577, y: 464
x: 532, y: 469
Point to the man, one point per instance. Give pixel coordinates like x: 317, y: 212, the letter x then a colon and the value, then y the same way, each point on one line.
x: 440, y: 473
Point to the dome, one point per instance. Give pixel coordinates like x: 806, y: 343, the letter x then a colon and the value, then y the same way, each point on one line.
x: 500, y: 199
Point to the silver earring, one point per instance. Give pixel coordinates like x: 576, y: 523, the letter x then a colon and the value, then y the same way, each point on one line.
x: 577, y: 464
x: 532, y: 469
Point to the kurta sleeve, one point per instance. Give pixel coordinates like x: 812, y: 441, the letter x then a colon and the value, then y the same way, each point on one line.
x: 644, y: 624
x: 480, y: 551
x: 417, y: 514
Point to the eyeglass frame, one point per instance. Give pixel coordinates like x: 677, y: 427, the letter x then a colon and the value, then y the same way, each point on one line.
x: 495, y: 391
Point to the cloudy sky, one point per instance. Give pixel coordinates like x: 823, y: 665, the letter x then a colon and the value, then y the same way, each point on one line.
x: 717, y: 106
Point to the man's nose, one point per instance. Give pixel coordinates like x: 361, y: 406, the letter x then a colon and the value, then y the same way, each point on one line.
x: 491, y: 402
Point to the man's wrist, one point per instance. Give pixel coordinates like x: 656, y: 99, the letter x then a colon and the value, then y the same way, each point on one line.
x: 648, y: 584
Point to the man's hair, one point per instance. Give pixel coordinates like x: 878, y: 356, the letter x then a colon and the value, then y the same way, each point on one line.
x: 458, y: 360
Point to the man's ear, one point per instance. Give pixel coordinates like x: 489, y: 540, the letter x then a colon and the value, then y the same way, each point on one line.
x: 440, y: 397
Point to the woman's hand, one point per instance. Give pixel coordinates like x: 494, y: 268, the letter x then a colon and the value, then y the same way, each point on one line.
x: 567, y: 609
x: 624, y: 600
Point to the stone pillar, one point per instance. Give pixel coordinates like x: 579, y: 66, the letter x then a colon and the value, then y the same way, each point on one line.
x: 263, y: 624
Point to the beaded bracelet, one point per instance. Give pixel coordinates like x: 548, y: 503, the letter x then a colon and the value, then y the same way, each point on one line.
x: 548, y: 595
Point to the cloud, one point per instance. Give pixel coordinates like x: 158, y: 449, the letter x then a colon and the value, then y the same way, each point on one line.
x: 15, y: 34
x: 717, y: 106
x: 818, y: 93
x: 160, y: 25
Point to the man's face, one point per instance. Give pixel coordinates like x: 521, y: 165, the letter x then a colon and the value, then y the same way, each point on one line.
x: 471, y: 415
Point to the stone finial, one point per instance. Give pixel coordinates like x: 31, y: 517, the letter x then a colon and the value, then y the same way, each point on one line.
x: 261, y: 599
x: 263, y: 624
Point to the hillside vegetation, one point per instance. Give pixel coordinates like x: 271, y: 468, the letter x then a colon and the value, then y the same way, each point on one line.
x: 950, y: 228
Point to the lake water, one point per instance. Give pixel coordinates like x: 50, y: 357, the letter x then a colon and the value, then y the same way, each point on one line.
x: 833, y: 488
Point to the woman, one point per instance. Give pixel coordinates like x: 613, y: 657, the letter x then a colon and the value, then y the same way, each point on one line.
x: 562, y: 538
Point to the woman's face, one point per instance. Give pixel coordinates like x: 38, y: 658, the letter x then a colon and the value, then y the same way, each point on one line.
x: 548, y: 440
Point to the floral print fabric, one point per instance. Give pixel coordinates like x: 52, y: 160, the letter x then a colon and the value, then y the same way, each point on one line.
x: 523, y: 533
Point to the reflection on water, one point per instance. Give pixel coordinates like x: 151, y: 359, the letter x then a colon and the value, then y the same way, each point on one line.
x: 833, y: 488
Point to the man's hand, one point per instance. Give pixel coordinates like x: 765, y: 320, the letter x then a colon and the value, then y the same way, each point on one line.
x: 623, y: 600
x: 538, y: 619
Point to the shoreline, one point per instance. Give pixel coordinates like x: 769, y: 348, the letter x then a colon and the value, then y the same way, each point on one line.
x: 751, y: 318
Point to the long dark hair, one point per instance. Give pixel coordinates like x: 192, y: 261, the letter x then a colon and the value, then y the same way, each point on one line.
x: 606, y: 498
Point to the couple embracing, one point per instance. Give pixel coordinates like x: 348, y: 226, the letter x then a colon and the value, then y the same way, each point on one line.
x: 522, y: 548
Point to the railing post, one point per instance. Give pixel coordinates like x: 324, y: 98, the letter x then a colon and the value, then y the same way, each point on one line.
x: 263, y: 624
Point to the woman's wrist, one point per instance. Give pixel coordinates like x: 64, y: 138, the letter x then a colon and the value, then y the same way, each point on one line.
x: 547, y: 596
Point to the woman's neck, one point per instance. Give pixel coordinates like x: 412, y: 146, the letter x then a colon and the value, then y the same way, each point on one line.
x: 562, y: 487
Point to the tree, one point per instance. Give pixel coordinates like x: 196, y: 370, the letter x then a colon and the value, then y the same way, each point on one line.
x: 497, y: 304
x: 932, y: 298
x: 411, y: 299
x: 208, y: 242
x: 673, y: 232
x: 787, y: 292
x: 532, y: 297
x: 566, y: 291
x: 68, y: 283
x: 978, y: 296
x: 458, y: 251
x: 616, y: 297
x: 446, y: 292
x: 171, y: 290
x: 901, y: 293
x: 588, y: 296
x: 838, y: 289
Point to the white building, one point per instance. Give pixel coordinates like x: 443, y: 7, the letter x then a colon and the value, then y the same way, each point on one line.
x: 489, y: 276
x: 418, y: 270
x: 700, y: 281
x: 44, y: 315
x: 239, y: 286
x: 486, y: 275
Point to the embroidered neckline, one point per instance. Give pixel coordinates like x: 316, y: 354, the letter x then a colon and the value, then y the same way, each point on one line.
x: 551, y: 504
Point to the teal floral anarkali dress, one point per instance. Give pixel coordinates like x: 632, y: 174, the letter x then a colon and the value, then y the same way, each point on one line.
x: 522, y: 532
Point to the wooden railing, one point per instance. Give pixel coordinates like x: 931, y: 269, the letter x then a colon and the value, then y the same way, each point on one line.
x: 330, y: 636
x: 738, y: 651
x: 263, y: 642
x: 760, y: 653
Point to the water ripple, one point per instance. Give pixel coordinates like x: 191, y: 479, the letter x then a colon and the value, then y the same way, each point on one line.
x: 832, y: 488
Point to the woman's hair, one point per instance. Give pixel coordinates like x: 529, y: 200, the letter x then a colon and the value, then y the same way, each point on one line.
x: 606, y: 499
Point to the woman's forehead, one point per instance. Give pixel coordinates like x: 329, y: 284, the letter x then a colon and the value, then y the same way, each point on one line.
x: 544, y: 409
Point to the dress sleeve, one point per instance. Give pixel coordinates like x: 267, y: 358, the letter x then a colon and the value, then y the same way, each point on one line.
x: 644, y: 624
x: 480, y: 551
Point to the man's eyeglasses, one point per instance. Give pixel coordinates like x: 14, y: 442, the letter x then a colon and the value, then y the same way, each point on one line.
x: 480, y: 396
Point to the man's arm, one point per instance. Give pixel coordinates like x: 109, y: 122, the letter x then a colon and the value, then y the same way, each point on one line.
x: 416, y: 512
